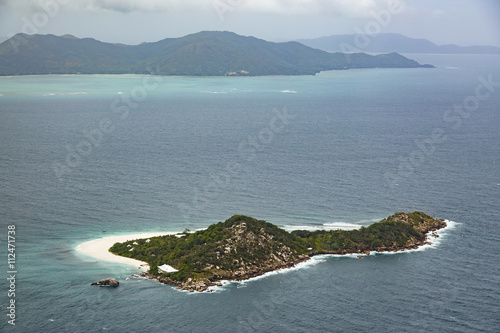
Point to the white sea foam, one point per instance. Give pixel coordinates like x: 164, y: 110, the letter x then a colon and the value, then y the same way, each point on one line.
x: 326, y: 226
x: 78, y: 93
x: 289, y: 91
x: 291, y: 228
x: 348, y: 225
x: 341, y: 226
x: 337, y: 225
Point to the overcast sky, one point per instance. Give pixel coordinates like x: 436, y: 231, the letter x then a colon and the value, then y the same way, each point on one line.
x: 462, y: 22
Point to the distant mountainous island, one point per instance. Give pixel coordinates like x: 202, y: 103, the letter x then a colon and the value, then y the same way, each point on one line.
x: 387, y: 43
x: 207, y: 53
x: 243, y: 247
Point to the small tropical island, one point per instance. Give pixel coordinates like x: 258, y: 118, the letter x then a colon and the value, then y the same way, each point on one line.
x: 243, y: 247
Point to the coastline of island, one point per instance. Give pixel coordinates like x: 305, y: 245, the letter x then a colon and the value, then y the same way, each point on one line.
x: 210, y: 275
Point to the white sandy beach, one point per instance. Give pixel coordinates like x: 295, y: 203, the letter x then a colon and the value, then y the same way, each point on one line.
x: 99, y: 248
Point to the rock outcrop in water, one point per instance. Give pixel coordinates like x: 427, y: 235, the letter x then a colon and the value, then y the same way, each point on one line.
x: 111, y: 282
x: 243, y: 247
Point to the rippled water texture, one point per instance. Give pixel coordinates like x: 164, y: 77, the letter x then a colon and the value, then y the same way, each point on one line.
x: 83, y: 157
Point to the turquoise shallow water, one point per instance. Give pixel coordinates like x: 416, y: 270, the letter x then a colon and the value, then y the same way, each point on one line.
x: 83, y: 157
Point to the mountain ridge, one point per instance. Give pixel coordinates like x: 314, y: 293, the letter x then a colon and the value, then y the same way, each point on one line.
x: 207, y: 53
x: 391, y: 42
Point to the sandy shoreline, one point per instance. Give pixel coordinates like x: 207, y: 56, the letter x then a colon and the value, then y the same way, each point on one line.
x: 99, y: 248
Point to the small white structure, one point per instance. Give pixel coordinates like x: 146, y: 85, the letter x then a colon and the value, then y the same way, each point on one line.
x: 135, y: 243
x: 165, y: 269
x: 148, y: 240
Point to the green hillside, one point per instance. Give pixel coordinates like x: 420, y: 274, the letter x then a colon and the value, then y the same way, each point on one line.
x: 204, y: 53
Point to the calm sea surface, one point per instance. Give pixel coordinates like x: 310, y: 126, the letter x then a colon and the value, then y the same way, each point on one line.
x: 83, y: 157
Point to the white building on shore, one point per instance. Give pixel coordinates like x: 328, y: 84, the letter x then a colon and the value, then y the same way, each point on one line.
x: 165, y: 269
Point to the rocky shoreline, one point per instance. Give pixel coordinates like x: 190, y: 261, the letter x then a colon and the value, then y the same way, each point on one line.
x: 203, y: 285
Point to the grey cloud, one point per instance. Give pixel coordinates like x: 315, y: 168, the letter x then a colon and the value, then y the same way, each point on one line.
x: 347, y: 8
x: 127, y: 6
x: 110, y: 5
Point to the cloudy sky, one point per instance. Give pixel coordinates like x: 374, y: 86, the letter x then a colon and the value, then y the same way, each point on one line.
x: 462, y: 22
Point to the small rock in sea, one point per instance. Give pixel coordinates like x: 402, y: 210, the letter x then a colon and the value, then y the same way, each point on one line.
x: 111, y: 282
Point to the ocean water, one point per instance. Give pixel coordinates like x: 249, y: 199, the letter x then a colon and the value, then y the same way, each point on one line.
x: 82, y: 157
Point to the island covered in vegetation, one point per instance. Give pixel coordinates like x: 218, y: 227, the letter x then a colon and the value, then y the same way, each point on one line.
x: 243, y: 247
x: 207, y: 53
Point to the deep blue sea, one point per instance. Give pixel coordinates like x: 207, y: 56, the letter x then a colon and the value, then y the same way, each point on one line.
x: 83, y: 157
